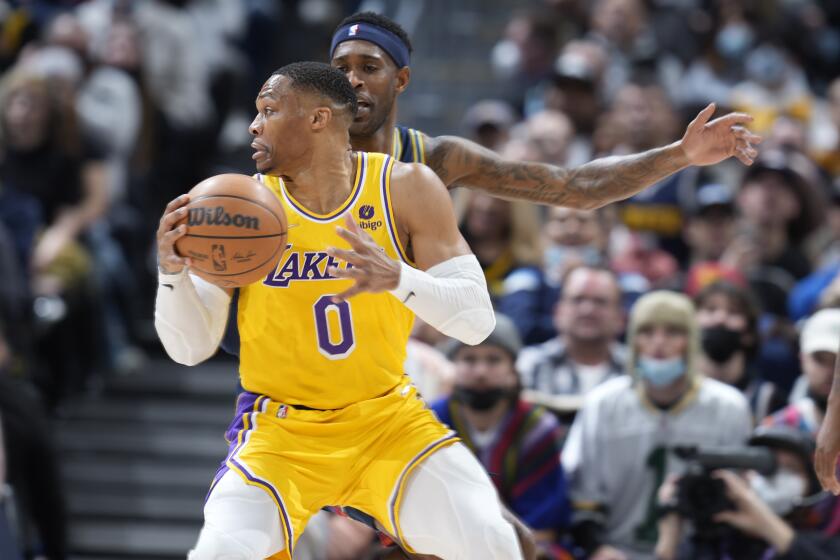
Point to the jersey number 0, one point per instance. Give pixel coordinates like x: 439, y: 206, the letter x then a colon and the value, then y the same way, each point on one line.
x: 334, y: 345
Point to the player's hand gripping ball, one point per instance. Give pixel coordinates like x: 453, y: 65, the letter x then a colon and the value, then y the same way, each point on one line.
x: 236, y: 230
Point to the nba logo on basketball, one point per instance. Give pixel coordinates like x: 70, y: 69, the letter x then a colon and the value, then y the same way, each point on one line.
x: 219, y: 261
x: 353, y: 29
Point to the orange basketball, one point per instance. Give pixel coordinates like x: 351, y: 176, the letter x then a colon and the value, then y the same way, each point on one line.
x: 236, y: 230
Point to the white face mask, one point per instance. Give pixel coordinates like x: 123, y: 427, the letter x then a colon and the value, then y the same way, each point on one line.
x: 781, y: 492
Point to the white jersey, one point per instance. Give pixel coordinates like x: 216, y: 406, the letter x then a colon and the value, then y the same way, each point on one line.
x: 620, y: 450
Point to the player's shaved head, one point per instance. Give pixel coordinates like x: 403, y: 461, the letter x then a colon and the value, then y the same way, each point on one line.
x: 315, y: 78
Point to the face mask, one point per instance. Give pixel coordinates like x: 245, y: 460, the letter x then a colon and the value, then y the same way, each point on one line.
x: 733, y: 41
x: 480, y: 399
x: 505, y: 59
x: 720, y: 343
x: 660, y: 372
x: 557, y: 256
x: 766, y: 65
x: 781, y: 492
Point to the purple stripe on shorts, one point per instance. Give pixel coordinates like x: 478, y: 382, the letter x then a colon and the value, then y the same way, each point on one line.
x: 274, y: 492
x: 244, y: 405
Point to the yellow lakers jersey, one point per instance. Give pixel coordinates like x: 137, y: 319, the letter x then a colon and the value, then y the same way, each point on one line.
x: 295, y: 344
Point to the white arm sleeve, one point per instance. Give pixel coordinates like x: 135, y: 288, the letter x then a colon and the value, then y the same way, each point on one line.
x: 451, y: 296
x: 190, y: 317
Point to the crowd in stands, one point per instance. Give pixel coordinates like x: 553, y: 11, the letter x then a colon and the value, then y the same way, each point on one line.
x: 704, y: 311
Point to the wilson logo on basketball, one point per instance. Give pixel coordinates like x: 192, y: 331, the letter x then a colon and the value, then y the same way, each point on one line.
x: 218, y: 217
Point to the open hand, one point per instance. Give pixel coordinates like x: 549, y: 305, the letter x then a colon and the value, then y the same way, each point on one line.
x: 751, y: 515
x: 368, y: 265
x: 707, y: 143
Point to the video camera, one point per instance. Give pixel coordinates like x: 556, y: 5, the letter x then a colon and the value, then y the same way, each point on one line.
x: 700, y: 496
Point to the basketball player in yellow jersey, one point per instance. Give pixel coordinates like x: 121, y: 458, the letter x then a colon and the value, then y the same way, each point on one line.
x: 327, y: 416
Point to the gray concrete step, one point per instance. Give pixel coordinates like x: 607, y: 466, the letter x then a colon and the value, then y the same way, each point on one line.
x: 215, y: 379
x: 143, y: 507
x: 133, y: 439
x: 176, y: 412
x: 126, y: 539
x: 146, y: 475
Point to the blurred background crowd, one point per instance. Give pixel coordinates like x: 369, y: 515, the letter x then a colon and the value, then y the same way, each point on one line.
x: 110, y: 108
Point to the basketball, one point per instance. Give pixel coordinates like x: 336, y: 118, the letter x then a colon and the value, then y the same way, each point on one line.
x: 236, y: 230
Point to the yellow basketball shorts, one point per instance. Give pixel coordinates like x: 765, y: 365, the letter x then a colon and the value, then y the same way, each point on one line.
x: 360, y: 456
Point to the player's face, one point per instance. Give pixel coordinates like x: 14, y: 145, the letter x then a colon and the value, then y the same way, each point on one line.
x: 484, y: 367
x: 375, y: 79
x: 279, y: 128
x: 661, y: 341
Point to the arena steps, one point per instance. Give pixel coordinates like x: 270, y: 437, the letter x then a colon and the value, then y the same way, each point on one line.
x: 138, y: 457
x: 121, y: 539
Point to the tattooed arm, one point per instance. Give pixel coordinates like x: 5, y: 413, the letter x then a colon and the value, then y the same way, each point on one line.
x: 459, y: 162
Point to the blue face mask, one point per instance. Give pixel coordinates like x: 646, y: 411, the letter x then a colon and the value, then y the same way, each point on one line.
x: 557, y: 257
x: 733, y: 41
x: 660, y: 372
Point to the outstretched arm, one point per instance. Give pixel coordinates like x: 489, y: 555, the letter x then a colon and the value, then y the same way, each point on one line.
x: 459, y: 162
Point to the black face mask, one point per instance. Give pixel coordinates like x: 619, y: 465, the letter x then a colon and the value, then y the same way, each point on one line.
x: 720, y: 343
x: 480, y: 399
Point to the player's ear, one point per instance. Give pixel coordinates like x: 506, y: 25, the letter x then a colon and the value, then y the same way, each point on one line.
x: 403, y: 77
x: 320, y: 117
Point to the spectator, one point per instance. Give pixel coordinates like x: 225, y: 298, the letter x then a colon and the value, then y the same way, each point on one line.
x: 572, y: 237
x: 771, y: 516
x: 488, y: 122
x: 503, y: 236
x: 586, y: 352
x: 774, y: 85
x: 817, y: 353
x: 729, y: 340
x: 619, y: 449
x: 710, y: 226
x: 640, y: 118
x: 780, y: 207
x: 828, y: 151
x: 575, y: 90
x: 622, y: 26
x: 822, y: 284
x: 525, y: 53
x: 518, y: 443
x: 429, y: 369
x: 549, y: 134
x: 46, y: 158
x: 32, y: 466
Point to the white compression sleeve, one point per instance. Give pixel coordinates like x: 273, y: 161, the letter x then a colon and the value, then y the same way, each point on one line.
x: 450, y: 296
x: 190, y: 316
